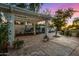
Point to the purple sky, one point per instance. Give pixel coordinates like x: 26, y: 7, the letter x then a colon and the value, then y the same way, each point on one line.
x: 55, y: 6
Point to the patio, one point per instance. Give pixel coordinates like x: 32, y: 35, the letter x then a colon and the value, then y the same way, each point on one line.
x: 34, y: 46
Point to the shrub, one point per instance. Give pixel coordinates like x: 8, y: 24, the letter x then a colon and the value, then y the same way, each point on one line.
x: 68, y: 33
x: 3, y: 38
x: 62, y: 32
x: 77, y: 35
x: 18, y: 43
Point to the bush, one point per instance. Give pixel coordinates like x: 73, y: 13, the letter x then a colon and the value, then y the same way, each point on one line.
x: 3, y: 38
x: 77, y: 35
x: 18, y: 43
x: 62, y: 32
x: 68, y: 33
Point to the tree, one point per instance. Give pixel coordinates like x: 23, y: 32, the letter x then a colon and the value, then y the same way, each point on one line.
x: 22, y: 5
x: 57, y: 23
x: 76, y: 22
x: 31, y: 6
x: 35, y: 6
x: 60, y: 17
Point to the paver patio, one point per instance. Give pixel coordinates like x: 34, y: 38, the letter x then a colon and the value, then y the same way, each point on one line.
x: 34, y: 46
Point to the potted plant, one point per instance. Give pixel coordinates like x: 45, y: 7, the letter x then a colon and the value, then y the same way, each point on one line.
x: 18, y: 44
x: 46, y: 38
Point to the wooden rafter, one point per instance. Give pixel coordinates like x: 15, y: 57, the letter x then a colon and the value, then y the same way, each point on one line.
x: 22, y: 14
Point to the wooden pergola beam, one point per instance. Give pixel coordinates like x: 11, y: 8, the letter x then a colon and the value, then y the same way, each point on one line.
x: 16, y: 10
x: 20, y: 14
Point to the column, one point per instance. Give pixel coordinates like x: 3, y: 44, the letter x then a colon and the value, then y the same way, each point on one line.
x: 11, y: 30
x: 34, y: 28
x: 46, y: 27
x: 46, y: 38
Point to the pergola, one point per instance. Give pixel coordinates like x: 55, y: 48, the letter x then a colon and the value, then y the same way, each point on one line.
x: 12, y: 13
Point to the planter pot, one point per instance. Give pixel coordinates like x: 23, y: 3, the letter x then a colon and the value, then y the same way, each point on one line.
x: 46, y: 38
x: 4, y: 48
x: 18, y: 44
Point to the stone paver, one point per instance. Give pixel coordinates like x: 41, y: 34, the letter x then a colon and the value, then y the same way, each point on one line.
x: 34, y: 46
x: 75, y: 52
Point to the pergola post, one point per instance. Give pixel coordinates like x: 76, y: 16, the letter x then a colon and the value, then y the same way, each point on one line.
x: 34, y: 28
x: 46, y: 38
x: 46, y: 27
x: 11, y: 30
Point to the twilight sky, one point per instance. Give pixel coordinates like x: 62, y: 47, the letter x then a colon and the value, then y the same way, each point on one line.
x: 55, y: 6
